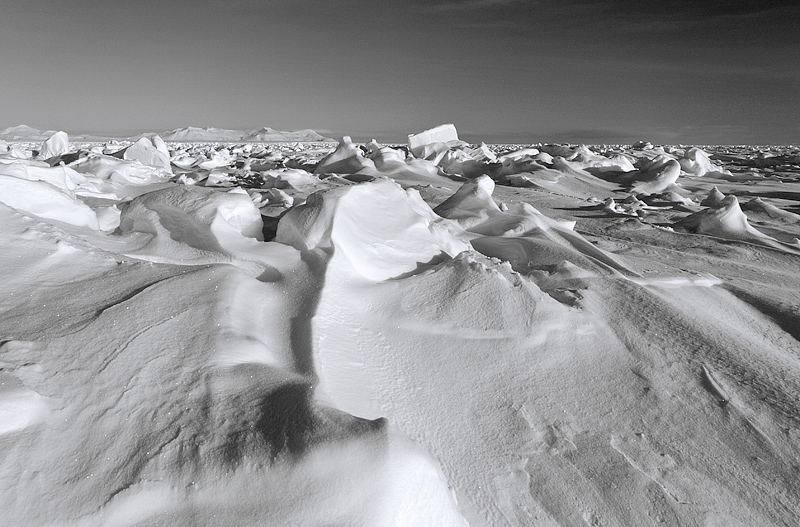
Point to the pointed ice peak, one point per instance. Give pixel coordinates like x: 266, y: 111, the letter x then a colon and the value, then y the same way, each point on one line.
x: 346, y: 159
x: 471, y: 204
x: 714, y: 198
x: 485, y: 182
x: 160, y: 145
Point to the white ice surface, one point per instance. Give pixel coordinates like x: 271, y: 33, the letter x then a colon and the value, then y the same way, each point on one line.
x: 383, y: 361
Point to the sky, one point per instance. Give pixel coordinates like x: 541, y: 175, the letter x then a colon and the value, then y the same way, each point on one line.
x: 589, y: 71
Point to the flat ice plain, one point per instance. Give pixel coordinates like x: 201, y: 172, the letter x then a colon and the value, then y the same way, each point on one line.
x: 206, y: 333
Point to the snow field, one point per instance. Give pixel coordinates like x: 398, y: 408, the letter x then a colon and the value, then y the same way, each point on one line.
x: 371, y: 335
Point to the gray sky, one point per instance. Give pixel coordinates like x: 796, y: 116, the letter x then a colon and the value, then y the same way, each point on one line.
x: 678, y: 71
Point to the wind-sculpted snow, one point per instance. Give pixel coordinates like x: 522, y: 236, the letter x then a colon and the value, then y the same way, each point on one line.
x: 151, y: 152
x: 697, y: 162
x: 191, y: 225
x: 407, y: 235
x: 346, y: 159
x: 55, y: 145
x: 375, y: 160
x: 724, y: 218
x: 365, y: 334
x: 46, y: 201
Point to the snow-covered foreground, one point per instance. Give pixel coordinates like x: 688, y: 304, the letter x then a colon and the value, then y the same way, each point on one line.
x: 430, y: 334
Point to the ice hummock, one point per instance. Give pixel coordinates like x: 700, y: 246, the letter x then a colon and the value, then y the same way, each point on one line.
x: 443, y: 133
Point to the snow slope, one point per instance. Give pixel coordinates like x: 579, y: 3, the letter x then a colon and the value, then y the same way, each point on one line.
x: 362, y: 335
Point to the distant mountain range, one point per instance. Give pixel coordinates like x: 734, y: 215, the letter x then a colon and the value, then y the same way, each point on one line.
x: 188, y: 134
x: 25, y: 133
x: 268, y: 135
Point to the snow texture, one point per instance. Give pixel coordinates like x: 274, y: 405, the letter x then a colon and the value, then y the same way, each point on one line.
x: 235, y: 333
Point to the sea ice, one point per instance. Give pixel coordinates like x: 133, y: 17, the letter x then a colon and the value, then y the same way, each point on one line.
x: 482, y: 335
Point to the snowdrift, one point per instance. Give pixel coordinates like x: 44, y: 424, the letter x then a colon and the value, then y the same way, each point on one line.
x: 444, y: 334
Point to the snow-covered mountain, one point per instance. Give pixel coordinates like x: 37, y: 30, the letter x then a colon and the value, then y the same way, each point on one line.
x: 187, y: 134
x: 270, y: 135
x: 25, y: 133
x: 192, y: 133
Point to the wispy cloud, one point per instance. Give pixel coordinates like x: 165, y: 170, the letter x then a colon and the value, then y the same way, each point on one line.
x: 480, y: 14
x: 470, y: 5
x: 684, y: 15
